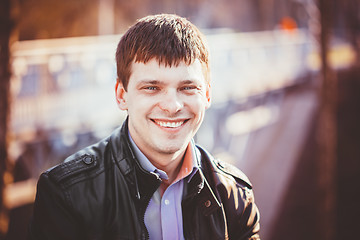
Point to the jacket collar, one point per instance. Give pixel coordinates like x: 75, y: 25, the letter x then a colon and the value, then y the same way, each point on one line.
x: 125, y: 159
x: 200, y: 188
x: 143, y: 184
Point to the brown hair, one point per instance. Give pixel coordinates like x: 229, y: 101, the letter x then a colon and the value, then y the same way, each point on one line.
x: 168, y: 38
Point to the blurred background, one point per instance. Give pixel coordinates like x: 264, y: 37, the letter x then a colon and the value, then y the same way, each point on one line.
x: 286, y: 84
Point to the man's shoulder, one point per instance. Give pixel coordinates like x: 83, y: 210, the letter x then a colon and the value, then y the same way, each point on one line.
x: 91, y: 161
x: 225, y: 168
x: 233, y: 171
x: 84, y: 164
x: 73, y: 168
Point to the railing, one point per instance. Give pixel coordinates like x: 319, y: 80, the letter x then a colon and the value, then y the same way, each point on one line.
x: 74, y: 77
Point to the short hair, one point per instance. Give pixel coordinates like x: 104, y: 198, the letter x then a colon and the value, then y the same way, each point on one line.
x: 169, y: 38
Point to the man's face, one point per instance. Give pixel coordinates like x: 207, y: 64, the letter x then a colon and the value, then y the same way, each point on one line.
x: 166, y: 105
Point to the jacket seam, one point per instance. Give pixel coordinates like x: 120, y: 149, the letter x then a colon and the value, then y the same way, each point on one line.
x: 66, y: 184
x: 233, y: 179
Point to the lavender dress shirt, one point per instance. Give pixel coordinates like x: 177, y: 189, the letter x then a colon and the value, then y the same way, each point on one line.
x: 163, y: 216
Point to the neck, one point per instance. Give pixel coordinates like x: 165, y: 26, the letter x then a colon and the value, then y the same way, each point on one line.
x: 169, y: 163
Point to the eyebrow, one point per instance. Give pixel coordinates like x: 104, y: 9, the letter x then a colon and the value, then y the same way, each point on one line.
x: 188, y: 82
x: 158, y: 82
x: 142, y: 82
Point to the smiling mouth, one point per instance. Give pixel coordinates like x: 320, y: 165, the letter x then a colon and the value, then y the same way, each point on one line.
x: 169, y: 124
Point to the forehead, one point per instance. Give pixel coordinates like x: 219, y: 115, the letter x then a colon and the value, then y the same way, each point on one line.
x: 153, y: 70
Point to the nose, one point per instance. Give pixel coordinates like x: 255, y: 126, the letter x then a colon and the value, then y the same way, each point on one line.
x: 171, y: 102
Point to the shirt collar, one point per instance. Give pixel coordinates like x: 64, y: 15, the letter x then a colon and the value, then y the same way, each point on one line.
x: 144, y: 161
x: 190, y: 160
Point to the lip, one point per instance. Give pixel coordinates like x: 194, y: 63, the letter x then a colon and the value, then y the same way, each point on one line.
x: 170, y: 124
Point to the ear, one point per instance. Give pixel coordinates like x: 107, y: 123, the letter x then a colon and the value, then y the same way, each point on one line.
x: 120, y: 94
x: 208, y: 96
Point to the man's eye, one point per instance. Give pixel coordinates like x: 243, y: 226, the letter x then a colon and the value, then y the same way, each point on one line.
x: 152, y: 88
x: 189, y: 88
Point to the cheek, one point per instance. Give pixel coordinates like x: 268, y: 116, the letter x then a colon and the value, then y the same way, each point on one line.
x: 198, y: 106
x: 140, y: 105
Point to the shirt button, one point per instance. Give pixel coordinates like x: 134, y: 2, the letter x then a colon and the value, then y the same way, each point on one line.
x: 167, y: 202
x: 208, y: 203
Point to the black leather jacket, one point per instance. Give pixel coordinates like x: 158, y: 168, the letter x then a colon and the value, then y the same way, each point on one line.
x: 101, y: 192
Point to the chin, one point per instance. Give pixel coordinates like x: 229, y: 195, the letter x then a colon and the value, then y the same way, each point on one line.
x: 170, y: 148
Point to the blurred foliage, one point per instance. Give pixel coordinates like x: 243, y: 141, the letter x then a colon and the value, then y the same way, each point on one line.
x: 41, y: 19
x: 52, y: 19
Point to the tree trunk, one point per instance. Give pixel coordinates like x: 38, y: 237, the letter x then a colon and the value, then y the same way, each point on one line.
x: 327, y: 132
x: 5, y: 30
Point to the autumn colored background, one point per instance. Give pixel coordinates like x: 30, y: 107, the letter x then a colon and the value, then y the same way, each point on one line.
x: 286, y: 83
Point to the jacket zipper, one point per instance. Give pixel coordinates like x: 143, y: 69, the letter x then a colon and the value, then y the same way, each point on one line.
x: 147, y: 236
x: 147, y: 201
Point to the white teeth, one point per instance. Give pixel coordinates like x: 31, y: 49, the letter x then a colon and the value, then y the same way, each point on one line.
x: 170, y: 124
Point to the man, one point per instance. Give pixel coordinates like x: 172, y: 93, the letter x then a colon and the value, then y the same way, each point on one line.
x: 148, y: 180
